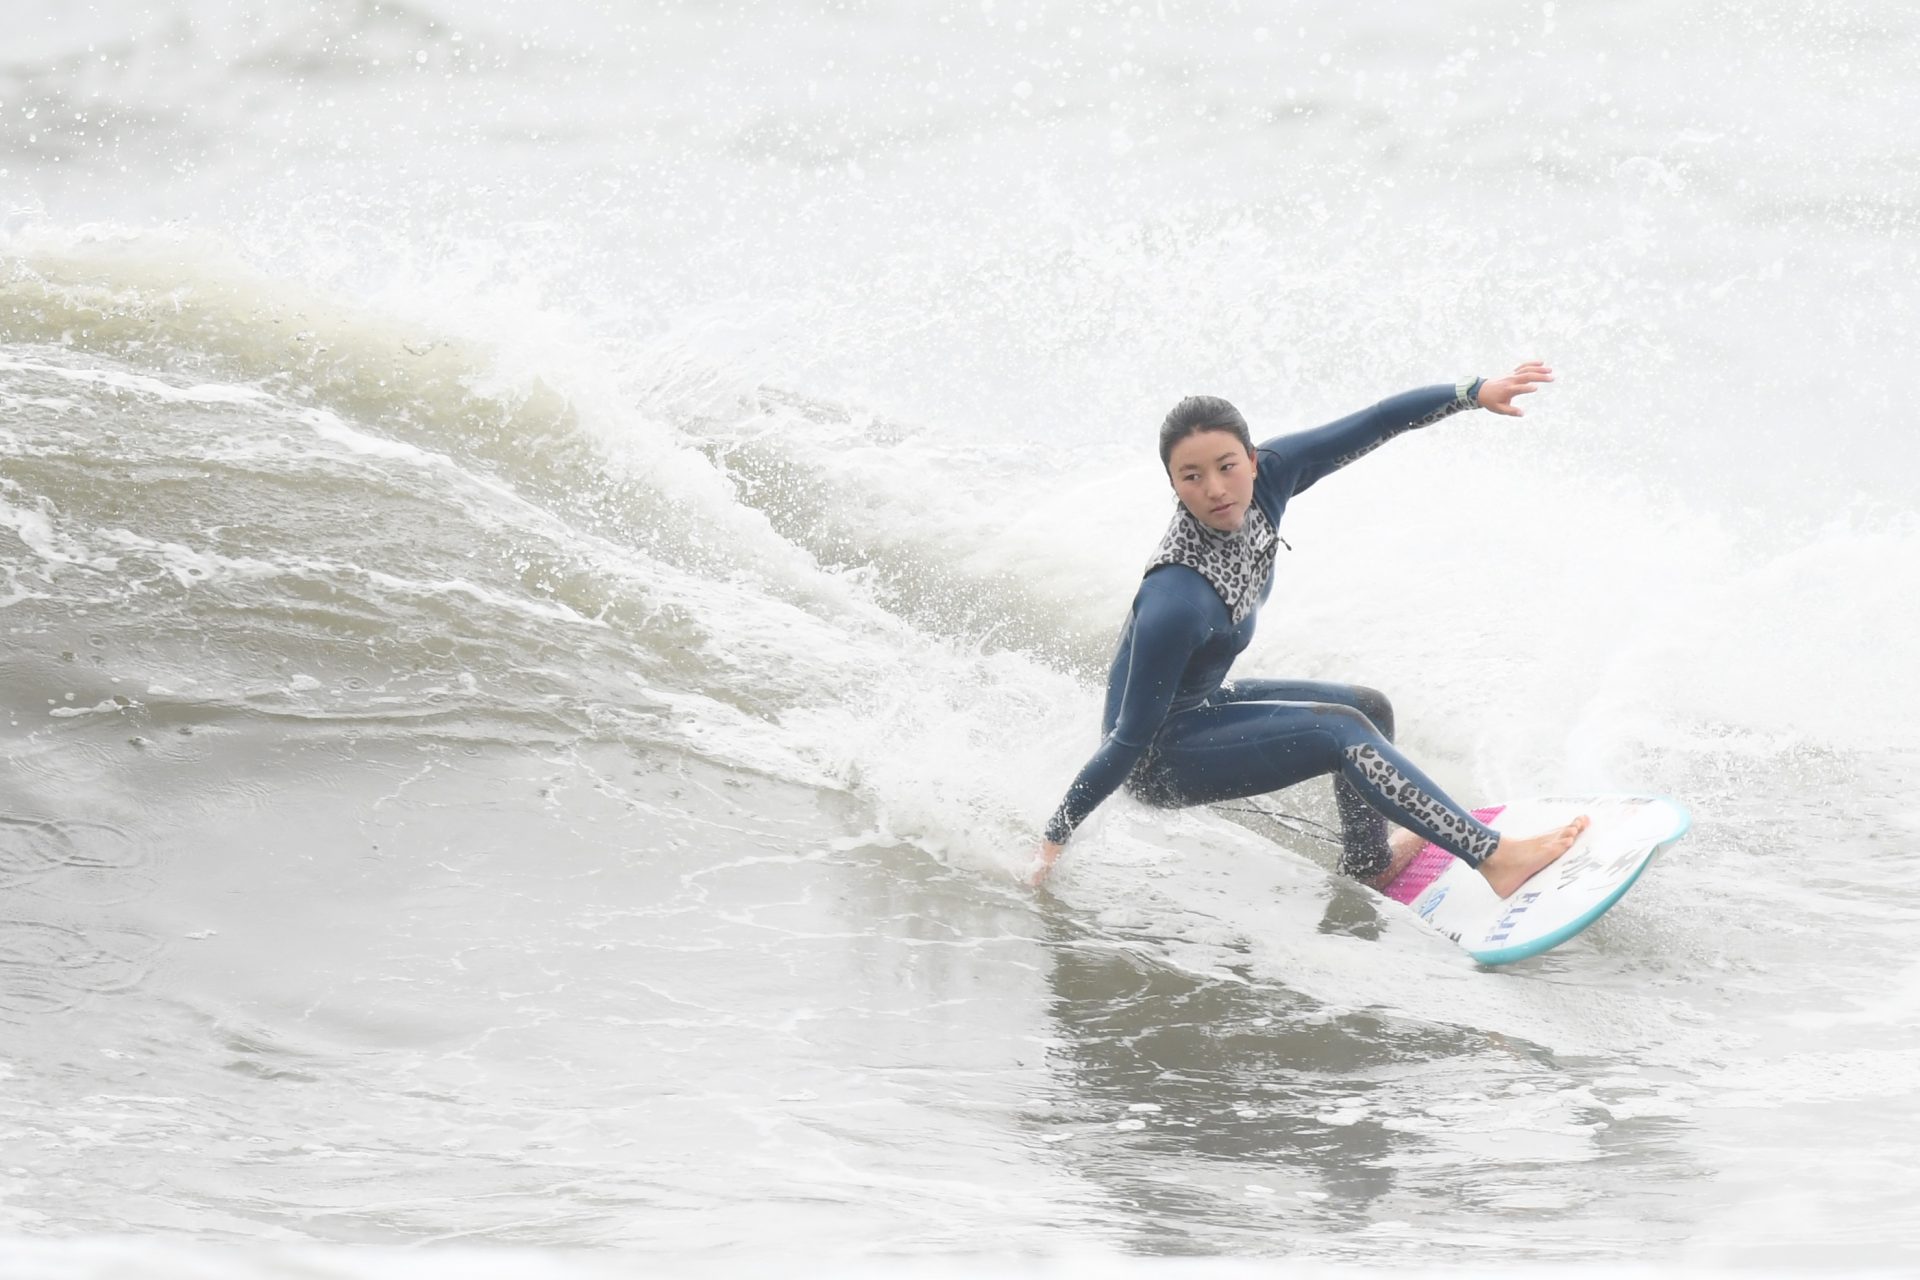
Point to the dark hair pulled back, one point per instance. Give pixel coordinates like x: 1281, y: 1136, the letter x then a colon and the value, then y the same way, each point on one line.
x: 1201, y: 413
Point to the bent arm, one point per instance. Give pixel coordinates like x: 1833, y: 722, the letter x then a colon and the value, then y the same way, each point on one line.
x: 1166, y: 631
x: 1318, y: 453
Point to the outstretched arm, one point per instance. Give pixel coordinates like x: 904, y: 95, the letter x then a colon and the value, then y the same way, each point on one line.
x: 1166, y: 631
x: 1313, y: 455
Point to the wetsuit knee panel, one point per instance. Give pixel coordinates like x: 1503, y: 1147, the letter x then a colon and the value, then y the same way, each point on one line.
x: 1374, y: 705
x: 1347, y: 726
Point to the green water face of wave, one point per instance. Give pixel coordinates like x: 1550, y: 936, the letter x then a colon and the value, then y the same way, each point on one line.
x: 270, y: 507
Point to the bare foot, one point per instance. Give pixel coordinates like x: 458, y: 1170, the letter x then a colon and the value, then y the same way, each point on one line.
x: 1518, y: 860
x: 1403, y: 846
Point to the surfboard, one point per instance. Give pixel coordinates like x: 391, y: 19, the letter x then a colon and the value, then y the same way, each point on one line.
x: 1627, y: 834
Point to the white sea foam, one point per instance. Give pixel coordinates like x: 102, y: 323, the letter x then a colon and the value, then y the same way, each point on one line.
x: 634, y: 535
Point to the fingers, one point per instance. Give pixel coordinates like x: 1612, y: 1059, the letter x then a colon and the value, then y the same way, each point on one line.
x: 1527, y: 375
x: 1043, y: 859
x: 1525, y: 380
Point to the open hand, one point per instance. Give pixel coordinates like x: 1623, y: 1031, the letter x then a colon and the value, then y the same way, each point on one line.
x: 1498, y: 394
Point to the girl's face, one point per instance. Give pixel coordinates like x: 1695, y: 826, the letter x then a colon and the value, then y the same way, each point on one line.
x: 1212, y: 475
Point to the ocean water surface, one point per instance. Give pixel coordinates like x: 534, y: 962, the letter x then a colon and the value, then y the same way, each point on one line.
x: 554, y: 559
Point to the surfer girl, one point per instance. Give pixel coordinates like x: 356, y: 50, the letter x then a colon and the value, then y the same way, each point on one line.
x: 1177, y: 732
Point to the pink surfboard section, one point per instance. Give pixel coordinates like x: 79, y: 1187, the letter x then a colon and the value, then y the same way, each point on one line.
x: 1428, y: 864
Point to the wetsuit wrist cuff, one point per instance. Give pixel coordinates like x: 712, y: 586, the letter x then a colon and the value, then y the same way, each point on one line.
x: 1466, y: 392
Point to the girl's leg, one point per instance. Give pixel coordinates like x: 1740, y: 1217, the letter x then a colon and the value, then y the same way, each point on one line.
x: 1365, y: 852
x: 1370, y: 703
x: 1236, y: 749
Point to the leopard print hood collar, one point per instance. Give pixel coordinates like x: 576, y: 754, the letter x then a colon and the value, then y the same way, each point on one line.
x: 1237, y: 564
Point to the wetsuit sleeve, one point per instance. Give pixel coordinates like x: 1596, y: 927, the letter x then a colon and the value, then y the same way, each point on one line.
x: 1310, y: 456
x: 1166, y: 631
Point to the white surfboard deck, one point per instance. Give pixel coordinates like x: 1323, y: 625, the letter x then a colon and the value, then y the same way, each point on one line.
x: 1628, y: 832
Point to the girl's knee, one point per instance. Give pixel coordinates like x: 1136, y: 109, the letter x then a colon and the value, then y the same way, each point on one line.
x: 1373, y: 704
x: 1349, y: 726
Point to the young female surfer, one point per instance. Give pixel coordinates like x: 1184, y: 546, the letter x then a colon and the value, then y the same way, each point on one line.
x: 1176, y: 733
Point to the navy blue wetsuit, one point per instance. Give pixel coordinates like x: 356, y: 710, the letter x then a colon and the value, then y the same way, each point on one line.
x: 1176, y: 733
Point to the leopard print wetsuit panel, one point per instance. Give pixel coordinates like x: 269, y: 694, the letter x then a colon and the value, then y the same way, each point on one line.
x: 1236, y: 564
x: 1470, y: 839
x: 1465, y: 396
